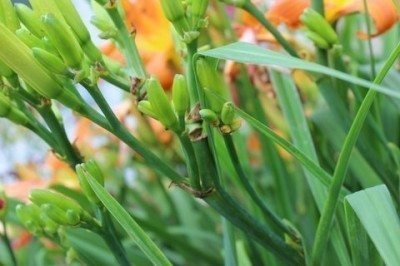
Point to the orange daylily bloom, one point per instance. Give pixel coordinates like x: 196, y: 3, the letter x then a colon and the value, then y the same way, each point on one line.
x: 383, y: 12
x: 153, y: 38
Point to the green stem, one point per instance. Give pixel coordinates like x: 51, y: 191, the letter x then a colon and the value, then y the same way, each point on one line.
x: 130, y: 50
x: 269, y: 214
x: 114, y: 126
x: 109, y: 236
x: 191, y: 161
x: 191, y: 73
x: 255, y: 12
x: 322, y: 234
x: 318, y: 5
x: 59, y: 134
x: 7, y: 242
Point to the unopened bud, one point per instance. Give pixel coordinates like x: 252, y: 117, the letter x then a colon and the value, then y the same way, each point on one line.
x: 209, y: 116
x: 84, y: 171
x: 228, y: 113
x: 63, y: 40
x: 161, y: 104
x: 175, y: 13
x: 146, y: 108
x: 199, y: 8
x: 30, y: 19
x: 180, y: 95
x: 59, y: 215
x: 28, y: 38
x: 7, y: 110
x: 212, y: 83
x: 8, y: 16
x: 318, y: 24
x: 45, y: 196
x: 50, y: 61
x: 317, y: 40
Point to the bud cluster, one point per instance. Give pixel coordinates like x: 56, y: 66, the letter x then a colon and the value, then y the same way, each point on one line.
x: 160, y: 107
x: 318, y: 29
x: 188, y: 17
x: 49, y: 211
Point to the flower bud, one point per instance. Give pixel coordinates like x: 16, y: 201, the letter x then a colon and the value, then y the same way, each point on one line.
x: 228, y: 113
x: 146, y: 108
x: 50, y: 61
x: 8, y: 16
x: 89, y: 169
x: 209, y: 116
x: 28, y: 38
x: 317, y: 23
x: 29, y: 215
x: 45, y: 196
x: 59, y: 216
x: 47, y: 7
x: 7, y: 110
x: 160, y: 103
x: 18, y: 57
x: 237, y: 3
x: 180, y: 95
x: 63, y: 40
x: 211, y: 82
x: 73, y: 19
x: 50, y: 227
x: 30, y: 19
x: 199, y: 8
x: 317, y: 40
x: 175, y: 13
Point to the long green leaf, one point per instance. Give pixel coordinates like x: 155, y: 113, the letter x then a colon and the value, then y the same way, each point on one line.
x: 253, y: 54
x: 376, y: 211
x: 131, y: 227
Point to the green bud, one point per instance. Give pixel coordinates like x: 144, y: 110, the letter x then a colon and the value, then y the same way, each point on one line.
x: 317, y: 40
x: 228, y: 113
x: 50, y: 227
x: 29, y: 215
x: 50, y: 61
x: 84, y: 171
x: 59, y: 215
x: 209, y: 116
x: 73, y: 19
x: 63, y: 40
x: 180, y: 95
x: 18, y: 57
x: 198, y: 8
x: 7, y: 110
x: 146, y: 108
x: 8, y: 16
x: 30, y: 19
x: 212, y: 83
x: 47, y: 7
x: 28, y: 38
x: 160, y: 103
x: 175, y: 12
x: 237, y: 3
x: 45, y: 196
x: 317, y: 23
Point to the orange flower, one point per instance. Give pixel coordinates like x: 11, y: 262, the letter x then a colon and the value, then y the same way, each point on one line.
x: 153, y: 38
x: 383, y: 12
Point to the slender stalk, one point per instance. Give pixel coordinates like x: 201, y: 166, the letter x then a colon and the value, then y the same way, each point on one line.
x: 255, y: 12
x: 7, y: 242
x: 59, y: 134
x: 269, y: 214
x: 130, y: 50
x: 318, y: 5
x: 114, y: 126
x: 339, y: 175
x: 191, y: 161
x: 108, y: 234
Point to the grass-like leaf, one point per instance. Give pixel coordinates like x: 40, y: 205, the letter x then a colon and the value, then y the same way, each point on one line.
x: 130, y: 226
x: 253, y: 54
x: 376, y: 211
